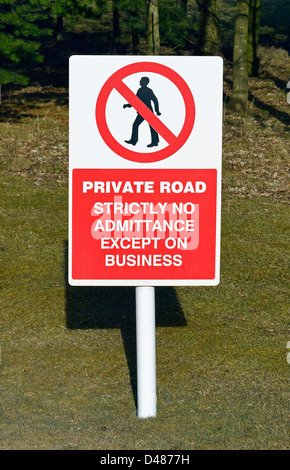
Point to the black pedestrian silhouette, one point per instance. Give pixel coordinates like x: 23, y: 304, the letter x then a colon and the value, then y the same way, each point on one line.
x: 147, y: 96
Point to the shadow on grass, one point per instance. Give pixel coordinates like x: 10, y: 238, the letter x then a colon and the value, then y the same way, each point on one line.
x: 114, y: 307
x: 25, y: 105
x: 276, y: 113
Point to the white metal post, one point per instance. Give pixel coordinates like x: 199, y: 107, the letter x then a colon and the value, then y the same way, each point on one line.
x: 146, y: 351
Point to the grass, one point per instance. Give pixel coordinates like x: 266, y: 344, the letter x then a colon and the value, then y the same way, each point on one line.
x: 68, y: 353
x: 68, y: 373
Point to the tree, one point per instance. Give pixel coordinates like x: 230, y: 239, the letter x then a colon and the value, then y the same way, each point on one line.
x: 153, y: 36
x: 59, y: 28
x: 116, y: 23
x: 174, y: 23
x: 209, y: 37
x: 19, y: 28
x: 253, y: 37
x: 135, y: 26
x: 131, y: 13
x: 183, y: 4
x: 60, y: 9
x: 239, y: 99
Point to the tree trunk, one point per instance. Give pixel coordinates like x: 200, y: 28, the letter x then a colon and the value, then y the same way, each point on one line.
x: 239, y: 100
x: 209, y: 38
x: 253, y: 37
x: 153, y: 37
x: 135, y: 40
x: 59, y: 28
x: 183, y: 4
x: 135, y: 32
x: 116, y: 22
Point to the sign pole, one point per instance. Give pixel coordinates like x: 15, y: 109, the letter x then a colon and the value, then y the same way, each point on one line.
x: 146, y: 351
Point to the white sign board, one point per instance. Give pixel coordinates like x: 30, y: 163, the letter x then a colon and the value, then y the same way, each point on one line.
x: 145, y: 170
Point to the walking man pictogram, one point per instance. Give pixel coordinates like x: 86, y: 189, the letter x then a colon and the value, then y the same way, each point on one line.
x: 147, y: 96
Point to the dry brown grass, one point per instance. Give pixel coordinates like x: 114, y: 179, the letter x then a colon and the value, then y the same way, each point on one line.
x: 256, y: 145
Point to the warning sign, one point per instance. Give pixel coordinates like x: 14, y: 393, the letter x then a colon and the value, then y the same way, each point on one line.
x: 141, y: 102
x: 145, y: 170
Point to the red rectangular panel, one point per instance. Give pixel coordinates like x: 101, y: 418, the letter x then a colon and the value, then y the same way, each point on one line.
x: 143, y: 224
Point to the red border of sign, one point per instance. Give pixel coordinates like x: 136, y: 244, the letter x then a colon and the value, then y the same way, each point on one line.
x: 113, y: 81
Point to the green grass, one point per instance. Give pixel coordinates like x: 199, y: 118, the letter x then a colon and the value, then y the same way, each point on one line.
x: 68, y: 372
x: 222, y: 376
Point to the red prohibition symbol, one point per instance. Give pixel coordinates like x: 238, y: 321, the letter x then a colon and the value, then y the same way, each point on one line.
x: 174, y: 142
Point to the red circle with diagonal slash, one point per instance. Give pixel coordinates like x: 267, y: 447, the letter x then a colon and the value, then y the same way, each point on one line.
x: 174, y: 142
